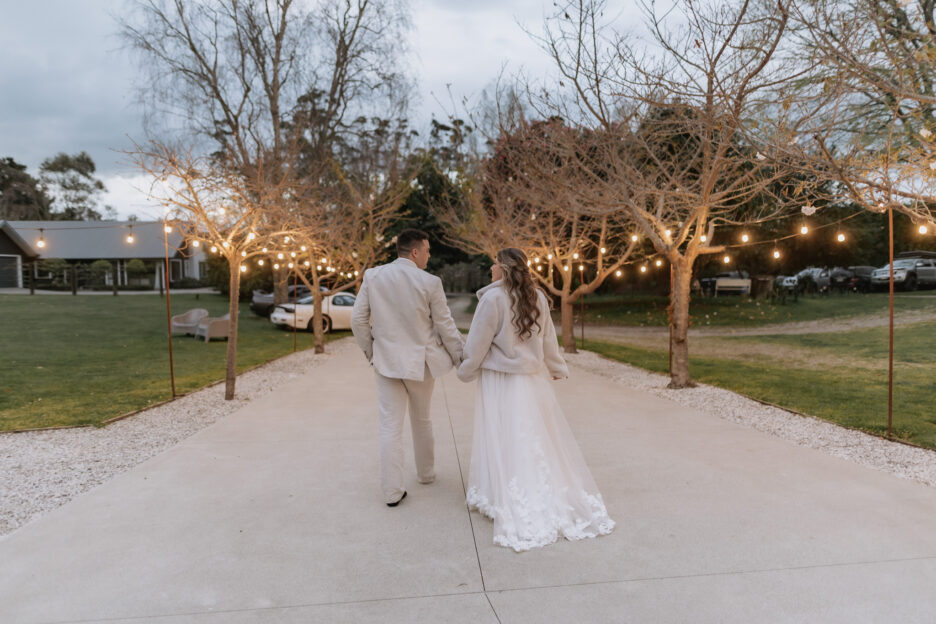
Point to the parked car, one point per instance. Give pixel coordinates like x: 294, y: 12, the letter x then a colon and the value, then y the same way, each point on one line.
x: 813, y: 277
x: 861, y: 278
x: 336, y: 313
x: 840, y: 279
x: 786, y: 282
x: 262, y: 302
x: 909, y: 274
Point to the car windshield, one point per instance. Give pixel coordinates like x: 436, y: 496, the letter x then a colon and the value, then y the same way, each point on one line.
x: 901, y: 264
x: 307, y: 299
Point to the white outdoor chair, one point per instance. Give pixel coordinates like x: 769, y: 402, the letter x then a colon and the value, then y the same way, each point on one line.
x: 213, y: 327
x: 187, y: 323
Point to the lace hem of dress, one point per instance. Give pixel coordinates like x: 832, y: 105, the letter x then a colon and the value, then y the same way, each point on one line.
x: 525, y: 538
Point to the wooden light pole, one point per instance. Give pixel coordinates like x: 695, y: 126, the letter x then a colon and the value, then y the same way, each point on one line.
x: 890, y: 336
x: 168, y: 307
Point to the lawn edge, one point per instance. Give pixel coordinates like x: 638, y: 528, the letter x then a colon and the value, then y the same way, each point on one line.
x: 763, y: 402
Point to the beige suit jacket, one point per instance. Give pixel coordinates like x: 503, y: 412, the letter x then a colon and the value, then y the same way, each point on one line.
x: 402, y: 322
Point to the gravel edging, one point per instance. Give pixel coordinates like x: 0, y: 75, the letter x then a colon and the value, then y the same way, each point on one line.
x: 43, y: 470
x: 907, y: 462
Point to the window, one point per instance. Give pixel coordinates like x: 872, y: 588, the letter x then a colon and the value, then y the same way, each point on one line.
x: 343, y: 300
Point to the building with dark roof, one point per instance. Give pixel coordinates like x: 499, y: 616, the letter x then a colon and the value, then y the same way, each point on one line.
x: 24, y: 244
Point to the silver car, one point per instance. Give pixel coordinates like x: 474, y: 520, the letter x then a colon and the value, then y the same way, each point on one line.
x: 909, y: 274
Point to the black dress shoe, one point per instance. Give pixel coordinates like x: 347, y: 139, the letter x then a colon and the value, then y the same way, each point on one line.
x: 399, y: 501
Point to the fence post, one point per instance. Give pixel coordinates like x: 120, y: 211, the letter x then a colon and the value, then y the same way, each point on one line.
x: 116, y: 276
x: 74, y: 279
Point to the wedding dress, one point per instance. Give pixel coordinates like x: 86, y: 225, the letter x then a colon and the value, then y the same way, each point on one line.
x: 527, y: 473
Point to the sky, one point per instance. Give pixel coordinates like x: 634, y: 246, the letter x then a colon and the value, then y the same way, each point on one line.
x: 67, y: 84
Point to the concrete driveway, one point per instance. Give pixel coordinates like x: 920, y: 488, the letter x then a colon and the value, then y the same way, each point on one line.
x: 275, y: 515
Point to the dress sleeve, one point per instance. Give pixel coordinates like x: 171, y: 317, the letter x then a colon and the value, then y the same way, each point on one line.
x: 555, y: 363
x: 480, y: 336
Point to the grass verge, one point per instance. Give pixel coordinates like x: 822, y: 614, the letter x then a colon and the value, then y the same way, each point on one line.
x: 82, y: 360
x: 852, y: 397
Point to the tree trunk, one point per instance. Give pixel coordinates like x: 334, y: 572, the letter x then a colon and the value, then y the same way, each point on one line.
x: 679, y: 324
x: 567, y: 312
x: 280, y: 286
x: 231, y: 373
x: 317, y: 333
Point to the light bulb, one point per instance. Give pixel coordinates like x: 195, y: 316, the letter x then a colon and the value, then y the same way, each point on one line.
x: 318, y: 267
x: 617, y: 274
x: 536, y: 259
x: 581, y: 267
x: 243, y: 254
x: 841, y: 238
x: 279, y: 256
x: 264, y: 250
x: 260, y: 262
x: 804, y: 230
x: 668, y: 233
x: 286, y: 240
x: 303, y: 248
x: 226, y: 244
x: 923, y: 229
x: 168, y: 229
x: 40, y: 243
x: 324, y: 261
x: 276, y: 266
x: 603, y: 250
x: 549, y: 256
x: 195, y: 243
x: 251, y: 236
x: 290, y: 265
x: 529, y: 263
x: 727, y: 259
x: 575, y: 256
x: 243, y: 268
x: 565, y: 268
x: 634, y: 238
x: 703, y: 238
x: 292, y: 254
x: 659, y: 263
x: 539, y: 267
x: 307, y: 263
x: 130, y: 238
x: 643, y: 269
x: 214, y: 249
x: 776, y: 254
x: 745, y: 238
x: 356, y: 274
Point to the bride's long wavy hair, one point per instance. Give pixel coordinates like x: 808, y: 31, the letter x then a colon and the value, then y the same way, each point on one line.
x: 523, y: 291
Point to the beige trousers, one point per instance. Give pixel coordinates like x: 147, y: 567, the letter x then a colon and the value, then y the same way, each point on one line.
x: 392, y: 397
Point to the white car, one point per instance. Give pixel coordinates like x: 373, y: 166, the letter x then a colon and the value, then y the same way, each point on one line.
x: 336, y: 313
x: 909, y: 273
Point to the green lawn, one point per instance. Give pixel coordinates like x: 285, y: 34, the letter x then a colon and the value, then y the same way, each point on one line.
x: 854, y: 396
x: 82, y: 360
x: 649, y: 310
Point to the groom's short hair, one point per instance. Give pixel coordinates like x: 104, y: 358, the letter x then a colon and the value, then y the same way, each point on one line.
x: 408, y: 240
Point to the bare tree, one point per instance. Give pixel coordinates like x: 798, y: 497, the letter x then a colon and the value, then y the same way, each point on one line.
x: 519, y: 197
x: 218, y: 209
x: 268, y: 86
x: 681, y: 143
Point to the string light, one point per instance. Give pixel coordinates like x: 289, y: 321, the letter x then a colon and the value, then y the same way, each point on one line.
x: 226, y: 244
x: 549, y: 256
x: 168, y: 229
x: 260, y: 262
x: 565, y: 268
x: 318, y: 267
x: 286, y: 239
x: 290, y: 265
x: 307, y: 263
x: 668, y: 233
x: 356, y: 274
x: 536, y: 259
x: 581, y: 267
x: 251, y: 236
x: 923, y: 229
x: 529, y: 263
x: 575, y: 256
x: 727, y: 259
x: 324, y: 261
x: 804, y: 230
x: 264, y: 250
x: 243, y: 268
x: 603, y: 250
x: 745, y: 238
x: 41, y: 242
x: 634, y: 238
x: 703, y: 238
x: 130, y: 238
x: 643, y: 269
x: 776, y: 254
x: 243, y: 254
x: 214, y: 249
x: 841, y: 238
x: 195, y: 243
x: 303, y: 248
x: 276, y: 266
x: 617, y: 273
x: 279, y: 256
x: 539, y: 267
x: 292, y: 254
x: 659, y: 263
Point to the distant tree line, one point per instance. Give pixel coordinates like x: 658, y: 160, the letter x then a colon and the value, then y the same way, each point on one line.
x: 67, y: 189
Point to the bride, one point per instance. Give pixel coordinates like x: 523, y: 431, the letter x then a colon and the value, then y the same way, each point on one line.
x: 527, y: 473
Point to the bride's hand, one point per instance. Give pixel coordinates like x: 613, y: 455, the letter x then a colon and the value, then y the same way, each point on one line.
x: 557, y: 378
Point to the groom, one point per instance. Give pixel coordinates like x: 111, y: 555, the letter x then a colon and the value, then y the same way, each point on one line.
x: 403, y: 324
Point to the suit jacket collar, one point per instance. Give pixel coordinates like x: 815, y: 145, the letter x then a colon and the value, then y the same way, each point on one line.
x: 490, y: 286
x: 405, y: 262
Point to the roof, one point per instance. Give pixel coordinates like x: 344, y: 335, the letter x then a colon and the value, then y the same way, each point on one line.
x: 93, y: 240
x: 18, y: 240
